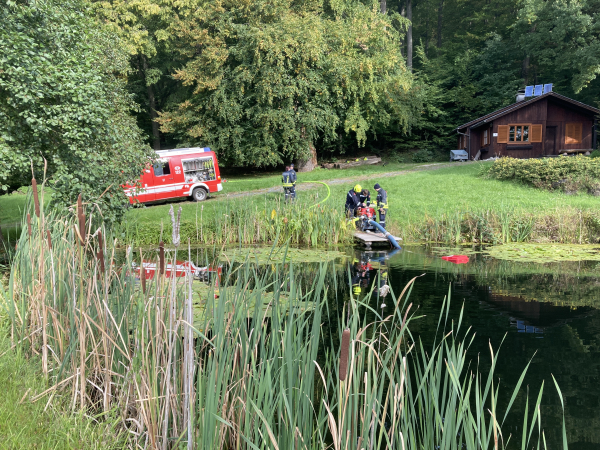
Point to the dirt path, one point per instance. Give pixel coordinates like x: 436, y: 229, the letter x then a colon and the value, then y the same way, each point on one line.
x: 305, y: 186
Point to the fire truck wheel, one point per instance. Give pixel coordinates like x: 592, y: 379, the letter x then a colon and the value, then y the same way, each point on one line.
x: 199, y: 194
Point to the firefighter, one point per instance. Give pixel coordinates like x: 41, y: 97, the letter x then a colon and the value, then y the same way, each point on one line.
x: 382, y: 204
x: 365, y: 197
x: 353, y: 202
x: 288, y: 183
x: 294, y: 179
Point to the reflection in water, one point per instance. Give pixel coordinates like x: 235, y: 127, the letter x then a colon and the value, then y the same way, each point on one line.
x: 546, y: 312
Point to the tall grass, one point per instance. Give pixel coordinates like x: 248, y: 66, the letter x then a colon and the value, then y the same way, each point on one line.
x: 245, y: 222
x: 258, y: 367
x: 504, y: 225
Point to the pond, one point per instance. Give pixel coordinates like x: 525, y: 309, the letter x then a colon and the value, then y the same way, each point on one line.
x: 548, y: 312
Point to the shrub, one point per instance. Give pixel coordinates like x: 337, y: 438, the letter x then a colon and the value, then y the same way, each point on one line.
x: 422, y: 156
x: 569, y: 174
x: 595, y: 154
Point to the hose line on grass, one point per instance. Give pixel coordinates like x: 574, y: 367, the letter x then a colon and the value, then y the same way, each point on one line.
x: 319, y: 182
x: 328, y: 192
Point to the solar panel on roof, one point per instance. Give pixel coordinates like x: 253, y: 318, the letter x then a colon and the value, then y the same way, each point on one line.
x: 547, y: 88
x: 529, y: 91
x: 538, y: 90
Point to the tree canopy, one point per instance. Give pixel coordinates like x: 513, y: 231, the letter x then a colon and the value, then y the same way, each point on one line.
x: 63, y: 98
x: 270, y: 78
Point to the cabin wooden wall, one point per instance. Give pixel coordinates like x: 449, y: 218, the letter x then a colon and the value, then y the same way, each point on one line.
x: 559, y: 116
x: 533, y: 114
x: 550, y: 113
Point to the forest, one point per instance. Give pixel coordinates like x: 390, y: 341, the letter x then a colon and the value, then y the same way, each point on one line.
x: 88, y: 88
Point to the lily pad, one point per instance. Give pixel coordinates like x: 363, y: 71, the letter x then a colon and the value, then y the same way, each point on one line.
x: 244, y: 300
x: 268, y: 255
x: 545, y: 253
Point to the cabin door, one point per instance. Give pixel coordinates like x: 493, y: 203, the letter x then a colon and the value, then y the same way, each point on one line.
x: 550, y: 141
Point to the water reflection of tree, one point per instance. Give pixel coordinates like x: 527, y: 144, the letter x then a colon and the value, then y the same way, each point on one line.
x: 569, y: 347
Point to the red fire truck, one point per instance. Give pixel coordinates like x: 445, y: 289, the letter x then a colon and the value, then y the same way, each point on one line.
x: 181, y: 172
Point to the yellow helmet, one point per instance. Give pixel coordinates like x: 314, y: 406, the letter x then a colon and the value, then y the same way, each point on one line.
x: 357, y: 188
x: 356, y: 290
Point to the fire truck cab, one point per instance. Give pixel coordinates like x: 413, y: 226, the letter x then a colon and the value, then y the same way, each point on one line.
x: 181, y: 172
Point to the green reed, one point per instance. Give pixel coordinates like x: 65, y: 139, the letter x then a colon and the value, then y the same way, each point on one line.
x: 250, y: 369
x: 504, y: 225
x: 241, y: 221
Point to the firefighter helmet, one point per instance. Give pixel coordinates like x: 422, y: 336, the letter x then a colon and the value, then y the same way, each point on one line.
x: 357, y: 188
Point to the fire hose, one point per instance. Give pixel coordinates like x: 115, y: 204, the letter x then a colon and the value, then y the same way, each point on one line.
x: 318, y: 182
x: 386, y: 233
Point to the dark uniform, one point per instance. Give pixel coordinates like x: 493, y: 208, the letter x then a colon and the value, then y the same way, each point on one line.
x: 288, y: 180
x: 294, y: 179
x: 352, y: 203
x: 382, y: 204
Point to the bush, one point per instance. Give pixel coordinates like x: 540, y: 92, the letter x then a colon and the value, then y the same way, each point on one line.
x: 422, y: 156
x: 595, y: 154
x: 569, y: 174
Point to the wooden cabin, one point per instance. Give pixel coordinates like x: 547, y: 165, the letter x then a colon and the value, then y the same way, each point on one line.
x: 547, y: 125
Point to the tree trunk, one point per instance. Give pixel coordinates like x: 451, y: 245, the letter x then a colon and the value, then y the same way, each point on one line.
x: 383, y: 6
x: 427, y: 35
x: 402, y: 41
x: 152, y: 104
x: 409, y: 36
x: 525, y: 69
x: 309, y: 162
x: 439, y: 27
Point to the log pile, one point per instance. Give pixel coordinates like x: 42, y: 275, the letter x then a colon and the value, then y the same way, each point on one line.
x: 353, y: 162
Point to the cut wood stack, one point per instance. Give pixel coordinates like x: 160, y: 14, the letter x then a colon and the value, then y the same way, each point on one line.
x: 353, y: 162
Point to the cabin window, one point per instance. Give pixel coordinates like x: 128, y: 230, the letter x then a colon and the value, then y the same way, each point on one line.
x: 162, y: 168
x: 518, y: 133
x: 485, y: 137
x: 573, y: 133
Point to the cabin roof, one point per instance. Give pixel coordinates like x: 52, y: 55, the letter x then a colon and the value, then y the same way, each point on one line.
x: 515, y: 106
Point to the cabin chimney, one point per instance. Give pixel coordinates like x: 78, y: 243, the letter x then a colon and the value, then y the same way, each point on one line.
x: 520, y: 95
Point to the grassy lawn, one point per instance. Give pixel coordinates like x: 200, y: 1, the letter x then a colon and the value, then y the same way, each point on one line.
x: 273, y: 179
x: 27, y: 425
x: 413, y: 197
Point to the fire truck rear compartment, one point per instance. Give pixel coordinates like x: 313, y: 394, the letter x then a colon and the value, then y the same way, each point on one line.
x: 198, y: 170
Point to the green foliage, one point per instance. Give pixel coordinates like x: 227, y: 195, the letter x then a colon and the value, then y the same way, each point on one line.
x: 570, y: 174
x: 422, y: 156
x: 562, y: 40
x: 62, y: 99
x: 595, y: 154
x: 272, y: 78
x: 27, y: 425
x: 288, y: 380
x: 238, y: 221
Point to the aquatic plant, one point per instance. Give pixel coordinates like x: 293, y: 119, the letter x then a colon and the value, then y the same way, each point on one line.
x: 505, y: 225
x: 233, y: 221
x: 244, y: 374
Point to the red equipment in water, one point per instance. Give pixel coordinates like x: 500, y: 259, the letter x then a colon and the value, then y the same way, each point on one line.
x: 456, y: 259
x: 181, y: 268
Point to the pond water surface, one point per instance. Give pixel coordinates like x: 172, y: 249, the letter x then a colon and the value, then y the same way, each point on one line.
x: 548, y: 312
